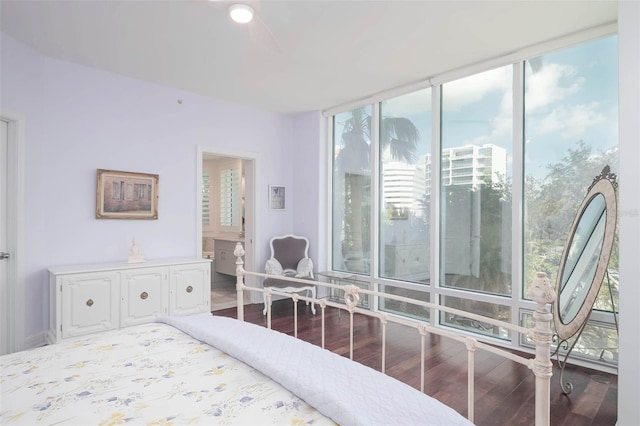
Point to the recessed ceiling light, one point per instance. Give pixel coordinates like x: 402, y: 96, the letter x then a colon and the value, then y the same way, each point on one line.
x: 241, y: 13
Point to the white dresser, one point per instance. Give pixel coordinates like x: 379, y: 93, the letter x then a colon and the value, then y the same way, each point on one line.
x: 92, y: 298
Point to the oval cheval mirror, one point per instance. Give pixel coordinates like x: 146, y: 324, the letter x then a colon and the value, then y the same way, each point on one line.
x: 584, y: 261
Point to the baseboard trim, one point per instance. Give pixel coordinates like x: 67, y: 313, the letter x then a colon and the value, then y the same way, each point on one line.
x: 36, y: 340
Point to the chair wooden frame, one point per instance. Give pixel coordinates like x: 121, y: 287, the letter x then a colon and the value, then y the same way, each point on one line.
x: 298, y: 266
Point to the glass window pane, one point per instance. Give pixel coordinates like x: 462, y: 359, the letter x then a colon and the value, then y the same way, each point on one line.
x: 491, y: 310
x: 402, y: 307
x: 571, y: 133
x: 598, y: 342
x: 351, y: 190
x: 405, y: 145
x: 343, y: 279
x: 476, y: 173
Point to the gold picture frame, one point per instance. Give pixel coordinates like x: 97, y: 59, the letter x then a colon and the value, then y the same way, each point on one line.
x: 126, y: 195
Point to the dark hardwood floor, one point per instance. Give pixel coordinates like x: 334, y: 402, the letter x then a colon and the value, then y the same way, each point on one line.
x: 503, y: 389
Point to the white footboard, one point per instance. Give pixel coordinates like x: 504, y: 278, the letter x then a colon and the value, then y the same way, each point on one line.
x: 541, y: 292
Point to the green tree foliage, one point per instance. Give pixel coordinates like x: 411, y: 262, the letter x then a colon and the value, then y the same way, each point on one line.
x: 552, y: 204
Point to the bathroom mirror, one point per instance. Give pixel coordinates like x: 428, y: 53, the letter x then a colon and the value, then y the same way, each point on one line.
x: 586, y: 256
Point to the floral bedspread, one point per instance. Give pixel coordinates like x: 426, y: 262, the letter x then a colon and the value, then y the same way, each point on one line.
x: 149, y: 374
x: 348, y: 392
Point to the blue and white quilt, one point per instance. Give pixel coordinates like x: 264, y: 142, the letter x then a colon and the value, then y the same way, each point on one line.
x: 151, y: 374
x: 204, y: 369
x: 348, y: 392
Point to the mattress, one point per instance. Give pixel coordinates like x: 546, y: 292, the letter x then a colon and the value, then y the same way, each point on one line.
x: 203, y: 369
x: 146, y: 374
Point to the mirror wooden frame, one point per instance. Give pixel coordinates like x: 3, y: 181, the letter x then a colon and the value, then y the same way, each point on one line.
x: 604, y: 185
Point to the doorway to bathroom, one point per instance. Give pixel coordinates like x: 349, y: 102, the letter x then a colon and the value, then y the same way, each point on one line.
x: 226, y: 208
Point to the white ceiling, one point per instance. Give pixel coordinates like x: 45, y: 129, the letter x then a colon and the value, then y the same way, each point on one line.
x: 299, y: 55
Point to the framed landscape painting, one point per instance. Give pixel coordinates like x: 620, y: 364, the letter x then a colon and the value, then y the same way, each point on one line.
x: 126, y: 195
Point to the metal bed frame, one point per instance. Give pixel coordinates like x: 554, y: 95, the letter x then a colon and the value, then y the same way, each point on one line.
x: 541, y: 334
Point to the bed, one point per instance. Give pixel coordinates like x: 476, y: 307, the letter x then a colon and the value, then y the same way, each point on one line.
x: 207, y: 369
x: 195, y: 370
x: 146, y: 374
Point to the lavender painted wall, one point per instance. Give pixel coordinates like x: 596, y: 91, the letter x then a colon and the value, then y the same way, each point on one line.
x: 80, y: 119
x: 310, y: 151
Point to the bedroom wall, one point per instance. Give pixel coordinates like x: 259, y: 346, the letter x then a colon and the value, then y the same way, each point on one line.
x: 310, y: 184
x: 80, y: 119
x: 629, y: 213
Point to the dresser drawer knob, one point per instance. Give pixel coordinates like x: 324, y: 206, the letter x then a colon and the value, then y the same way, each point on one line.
x: 89, y: 303
x: 144, y: 295
x: 189, y: 289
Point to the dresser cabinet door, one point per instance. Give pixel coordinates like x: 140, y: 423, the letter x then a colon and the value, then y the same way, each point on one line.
x: 88, y: 299
x: 190, y: 289
x: 90, y: 303
x: 144, y: 295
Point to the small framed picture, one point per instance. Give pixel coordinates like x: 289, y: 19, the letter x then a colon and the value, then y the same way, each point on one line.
x: 126, y: 195
x: 277, y: 197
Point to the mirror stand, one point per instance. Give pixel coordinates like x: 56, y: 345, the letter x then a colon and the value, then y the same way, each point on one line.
x: 567, y: 387
x: 584, y: 265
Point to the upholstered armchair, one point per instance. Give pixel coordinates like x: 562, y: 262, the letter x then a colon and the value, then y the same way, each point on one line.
x: 289, y: 257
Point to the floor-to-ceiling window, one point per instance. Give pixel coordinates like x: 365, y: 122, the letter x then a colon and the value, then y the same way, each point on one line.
x: 571, y: 134
x: 405, y: 198
x: 475, y: 189
x: 517, y: 147
x: 352, y: 191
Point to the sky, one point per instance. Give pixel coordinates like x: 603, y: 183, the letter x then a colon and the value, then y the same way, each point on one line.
x: 571, y: 96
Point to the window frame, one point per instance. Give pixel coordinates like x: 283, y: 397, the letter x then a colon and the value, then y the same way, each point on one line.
x: 516, y: 302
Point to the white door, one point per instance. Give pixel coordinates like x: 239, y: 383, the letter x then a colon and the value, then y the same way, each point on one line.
x: 12, y: 294
x: 4, y: 247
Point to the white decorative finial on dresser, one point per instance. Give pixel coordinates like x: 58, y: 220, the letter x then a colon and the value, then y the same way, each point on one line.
x: 135, y: 256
